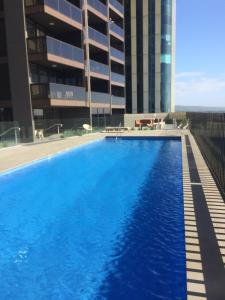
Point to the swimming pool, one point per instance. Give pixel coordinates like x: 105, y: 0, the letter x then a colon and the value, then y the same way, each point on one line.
x: 103, y: 221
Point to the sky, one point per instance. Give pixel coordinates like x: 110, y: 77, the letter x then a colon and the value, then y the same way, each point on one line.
x: 200, y: 53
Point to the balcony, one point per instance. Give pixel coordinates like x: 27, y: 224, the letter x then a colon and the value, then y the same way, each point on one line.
x: 98, y: 39
x: 117, y: 55
x: 100, y: 99
x: 117, y: 31
x: 49, y: 50
x: 97, y: 69
x: 118, y: 79
x: 117, y: 6
x: 118, y: 102
x: 54, y: 94
x: 60, y: 10
x: 99, y: 8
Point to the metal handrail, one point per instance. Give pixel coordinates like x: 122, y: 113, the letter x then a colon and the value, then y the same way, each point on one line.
x: 15, y: 132
x: 54, y: 125
x: 118, y: 133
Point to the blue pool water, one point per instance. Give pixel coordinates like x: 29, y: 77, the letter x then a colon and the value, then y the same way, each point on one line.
x: 104, y: 221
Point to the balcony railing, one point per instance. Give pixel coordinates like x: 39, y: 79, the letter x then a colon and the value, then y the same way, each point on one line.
x: 97, y: 97
x: 50, y: 45
x: 99, y: 67
x: 118, y: 100
x: 98, y: 36
x: 118, y: 78
x: 117, y: 29
x: 118, y: 54
x: 57, y: 91
x: 99, y: 6
x: 117, y: 5
x: 64, y: 7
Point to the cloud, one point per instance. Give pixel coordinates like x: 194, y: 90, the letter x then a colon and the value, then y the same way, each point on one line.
x: 189, y: 74
x: 198, y: 88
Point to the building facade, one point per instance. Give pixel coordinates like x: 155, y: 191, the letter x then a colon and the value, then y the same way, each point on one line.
x: 60, y: 59
x: 150, y: 55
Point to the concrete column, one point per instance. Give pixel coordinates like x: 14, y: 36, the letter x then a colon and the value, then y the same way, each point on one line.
x: 18, y: 67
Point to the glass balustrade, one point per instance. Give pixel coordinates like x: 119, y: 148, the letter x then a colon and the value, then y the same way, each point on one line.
x: 99, y: 67
x: 97, y: 97
x: 98, y: 36
x: 117, y: 5
x: 99, y: 6
x: 118, y: 100
x: 57, y: 91
x: 118, y: 54
x: 117, y: 29
x: 53, y: 46
x: 118, y: 78
x: 64, y: 7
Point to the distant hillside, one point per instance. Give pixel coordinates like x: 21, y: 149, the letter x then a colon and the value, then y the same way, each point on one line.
x: 199, y: 108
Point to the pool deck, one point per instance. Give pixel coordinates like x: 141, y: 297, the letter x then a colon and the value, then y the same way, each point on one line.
x: 20, y: 155
x: 204, y: 207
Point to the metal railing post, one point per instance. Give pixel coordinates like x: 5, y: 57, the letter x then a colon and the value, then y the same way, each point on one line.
x: 54, y: 125
x: 58, y: 127
x: 16, y: 140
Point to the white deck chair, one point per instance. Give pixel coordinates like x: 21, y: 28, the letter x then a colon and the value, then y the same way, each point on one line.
x: 87, y: 127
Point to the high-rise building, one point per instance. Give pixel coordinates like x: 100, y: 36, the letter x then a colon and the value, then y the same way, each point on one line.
x: 60, y: 59
x: 150, y: 55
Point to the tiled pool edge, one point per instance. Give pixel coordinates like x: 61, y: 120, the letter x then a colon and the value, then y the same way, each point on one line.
x: 14, y: 157
x: 195, y: 278
x: 200, y: 281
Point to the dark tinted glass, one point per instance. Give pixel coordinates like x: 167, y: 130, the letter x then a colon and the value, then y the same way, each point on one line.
x: 5, y: 83
x: 3, y: 50
x: 1, y: 5
x: 151, y: 58
x: 139, y: 30
x: 166, y: 54
x: 128, y: 57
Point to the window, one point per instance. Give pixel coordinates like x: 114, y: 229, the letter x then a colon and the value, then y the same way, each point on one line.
x: 34, y: 74
x: 3, y: 50
x: 166, y: 58
x: 43, y: 76
x: 38, y: 113
x: 1, y: 5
